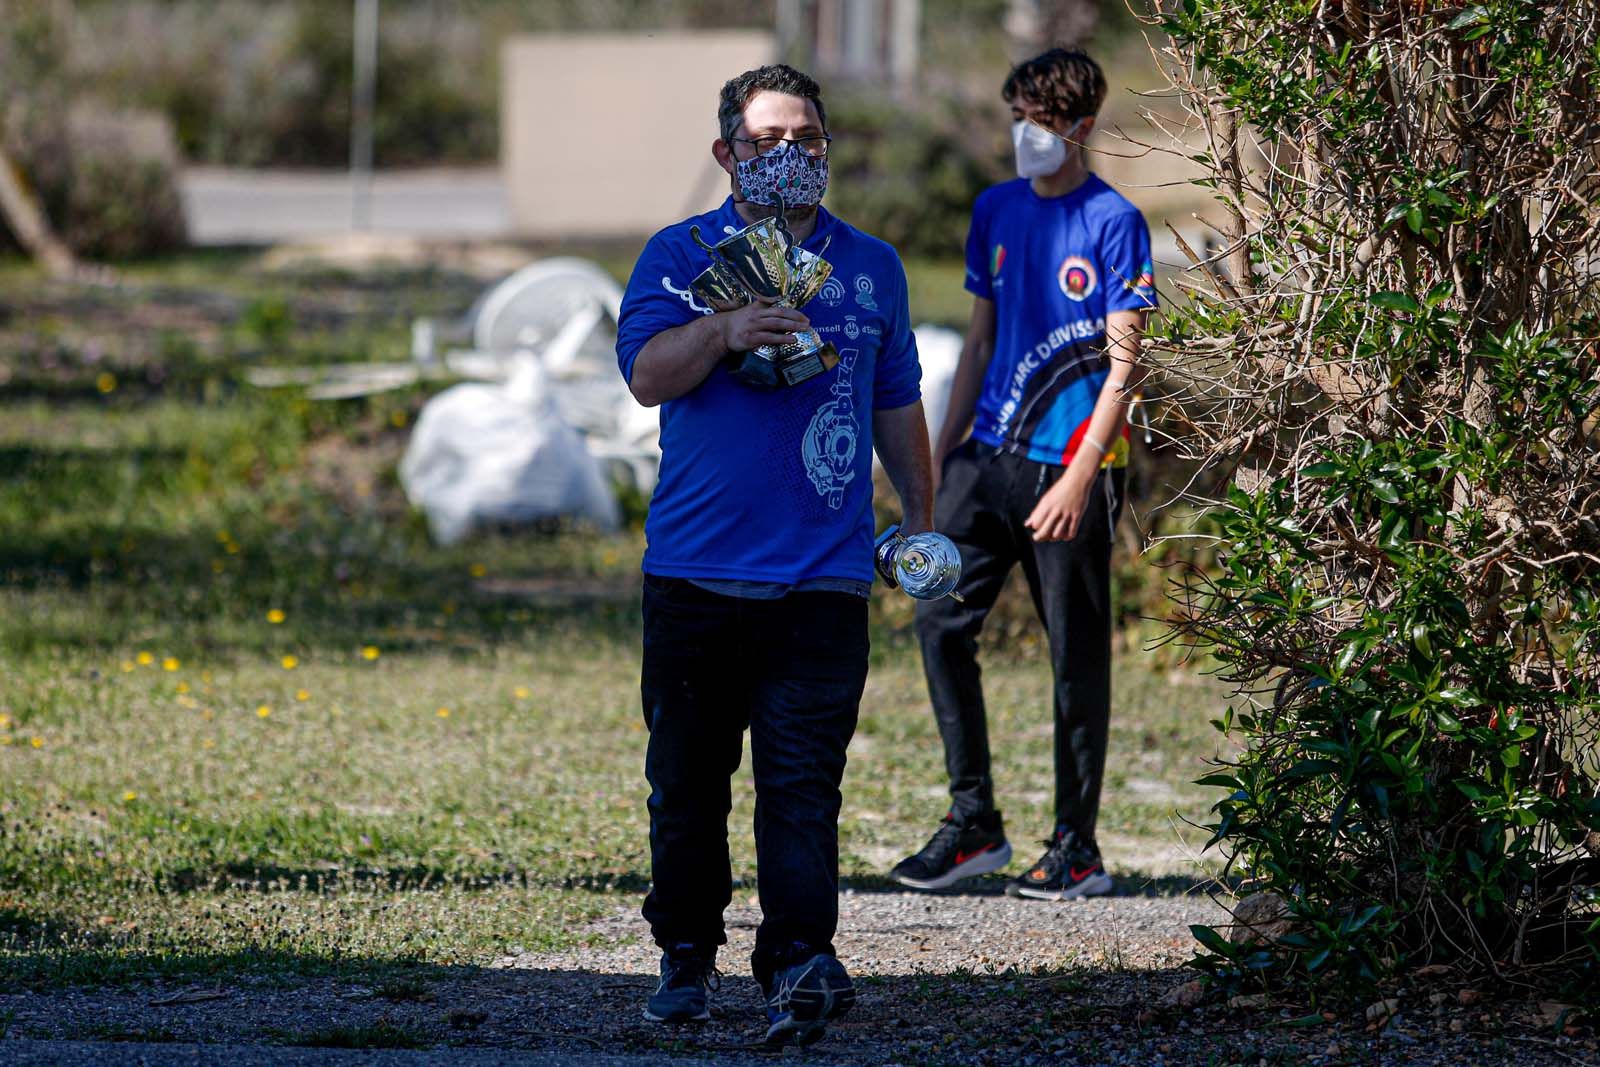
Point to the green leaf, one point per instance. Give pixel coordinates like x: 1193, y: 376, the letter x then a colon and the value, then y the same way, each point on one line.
x: 1472, y: 16
x: 1393, y: 301
x: 1385, y: 491
x: 1320, y: 470
x: 1214, y: 941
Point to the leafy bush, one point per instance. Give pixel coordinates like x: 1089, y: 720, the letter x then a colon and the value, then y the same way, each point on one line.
x: 910, y: 175
x: 1399, y: 365
x: 108, y: 181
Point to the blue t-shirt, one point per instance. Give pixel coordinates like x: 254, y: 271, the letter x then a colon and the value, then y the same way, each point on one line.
x: 773, y: 486
x: 1054, y: 267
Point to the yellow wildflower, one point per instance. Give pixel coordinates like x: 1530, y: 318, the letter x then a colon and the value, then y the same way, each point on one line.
x: 443, y: 713
x: 127, y: 665
x: 106, y: 382
x: 477, y: 570
x: 36, y: 742
x: 145, y: 659
x: 370, y: 652
x: 302, y: 695
x: 183, y: 687
x: 521, y: 692
x: 129, y: 796
x: 290, y: 662
x: 170, y: 663
x: 263, y: 711
x: 275, y: 616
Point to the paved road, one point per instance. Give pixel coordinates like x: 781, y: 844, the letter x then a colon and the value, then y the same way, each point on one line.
x: 226, y: 206
x: 27, y: 1053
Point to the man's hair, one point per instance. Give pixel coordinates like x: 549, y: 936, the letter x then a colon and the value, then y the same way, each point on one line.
x: 777, y: 78
x: 1067, y: 85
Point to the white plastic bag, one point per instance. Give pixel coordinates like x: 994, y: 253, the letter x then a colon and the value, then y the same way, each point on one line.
x: 938, y: 350
x: 501, y: 453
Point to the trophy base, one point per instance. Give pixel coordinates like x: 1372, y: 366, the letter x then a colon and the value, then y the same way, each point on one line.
x: 768, y: 368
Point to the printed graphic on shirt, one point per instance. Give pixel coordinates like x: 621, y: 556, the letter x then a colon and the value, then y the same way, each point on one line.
x: 686, y: 295
x: 828, y: 448
x: 832, y: 292
x: 864, y: 297
x: 1068, y: 263
x: 1076, y: 277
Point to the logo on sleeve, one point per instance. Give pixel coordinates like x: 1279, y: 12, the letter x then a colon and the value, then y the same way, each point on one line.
x: 1076, y: 278
x: 997, y: 259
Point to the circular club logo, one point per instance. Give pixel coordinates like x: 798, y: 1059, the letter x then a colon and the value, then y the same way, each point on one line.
x: 1076, y: 277
x: 832, y: 292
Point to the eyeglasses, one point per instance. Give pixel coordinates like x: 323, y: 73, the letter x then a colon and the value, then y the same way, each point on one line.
x: 815, y: 147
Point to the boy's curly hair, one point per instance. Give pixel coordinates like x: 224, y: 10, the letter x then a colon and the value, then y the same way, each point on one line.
x: 1068, y: 85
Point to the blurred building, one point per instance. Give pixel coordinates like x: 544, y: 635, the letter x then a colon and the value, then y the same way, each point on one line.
x: 863, y: 41
x: 610, y: 134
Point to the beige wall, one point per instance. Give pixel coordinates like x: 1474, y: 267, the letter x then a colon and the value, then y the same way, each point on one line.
x: 610, y: 134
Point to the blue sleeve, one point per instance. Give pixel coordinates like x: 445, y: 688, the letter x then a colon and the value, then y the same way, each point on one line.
x: 980, y: 281
x: 657, y: 298
x: 1126, y: 265
x: 898, y: 377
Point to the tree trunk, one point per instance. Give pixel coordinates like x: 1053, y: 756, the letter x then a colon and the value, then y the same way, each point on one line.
x: 23, y: 216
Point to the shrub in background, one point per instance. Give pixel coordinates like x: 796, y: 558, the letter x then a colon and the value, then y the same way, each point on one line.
x: 1400, y: 364
x: 910, y: 174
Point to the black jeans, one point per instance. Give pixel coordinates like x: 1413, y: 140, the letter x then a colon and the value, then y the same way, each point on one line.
x: 985, y: 495
x: 792, y: 670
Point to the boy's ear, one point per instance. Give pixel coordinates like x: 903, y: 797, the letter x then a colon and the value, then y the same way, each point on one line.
x: 722, y: 152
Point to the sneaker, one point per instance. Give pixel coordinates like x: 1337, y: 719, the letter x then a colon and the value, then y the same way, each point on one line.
x: 1068, y: 869
x: 804, y: 996
x: 687, y: 980
x: 957, y: 850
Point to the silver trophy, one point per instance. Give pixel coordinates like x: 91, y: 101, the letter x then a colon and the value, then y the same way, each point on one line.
x: 926, y: 565
x: 763, y: 260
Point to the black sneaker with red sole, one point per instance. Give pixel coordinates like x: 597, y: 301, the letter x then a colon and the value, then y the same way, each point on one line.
x: 959, y: 849
x: 1069, y: 869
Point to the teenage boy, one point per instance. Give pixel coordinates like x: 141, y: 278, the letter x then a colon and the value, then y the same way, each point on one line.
x: 1059, y: 267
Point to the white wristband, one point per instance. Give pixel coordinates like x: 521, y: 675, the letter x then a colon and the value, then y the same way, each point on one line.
x: 1092, y: 441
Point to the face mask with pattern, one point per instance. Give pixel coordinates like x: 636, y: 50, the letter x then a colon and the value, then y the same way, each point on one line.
x: 785, y: 174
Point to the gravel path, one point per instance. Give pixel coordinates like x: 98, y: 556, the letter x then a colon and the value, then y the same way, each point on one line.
x: 973, y: 978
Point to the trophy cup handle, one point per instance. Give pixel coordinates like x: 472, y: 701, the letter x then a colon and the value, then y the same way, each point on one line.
x: 694, y: 233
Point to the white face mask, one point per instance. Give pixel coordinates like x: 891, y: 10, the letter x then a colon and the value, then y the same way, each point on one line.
x: 1039, y: 152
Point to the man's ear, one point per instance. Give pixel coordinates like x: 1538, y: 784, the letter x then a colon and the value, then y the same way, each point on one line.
x: 1085, y: 128
x: 722, y: 152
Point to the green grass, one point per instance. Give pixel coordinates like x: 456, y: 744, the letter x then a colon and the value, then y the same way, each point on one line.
x: 253, y: 722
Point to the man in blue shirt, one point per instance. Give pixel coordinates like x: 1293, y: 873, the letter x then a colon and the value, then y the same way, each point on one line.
x: 759, y: 558
x: 1059, y: 267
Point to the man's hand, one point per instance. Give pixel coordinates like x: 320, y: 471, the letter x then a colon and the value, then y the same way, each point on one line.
x: 1059, y: 512
x: 760, y: 323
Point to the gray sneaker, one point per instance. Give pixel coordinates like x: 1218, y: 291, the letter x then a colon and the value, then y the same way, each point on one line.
x: 804, y: 997
x: 684, y: 993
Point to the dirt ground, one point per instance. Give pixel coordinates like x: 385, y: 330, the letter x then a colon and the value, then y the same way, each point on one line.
x: 963, y: 978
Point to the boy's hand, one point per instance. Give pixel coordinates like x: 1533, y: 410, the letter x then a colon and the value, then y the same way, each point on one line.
x: 1059, y: 512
